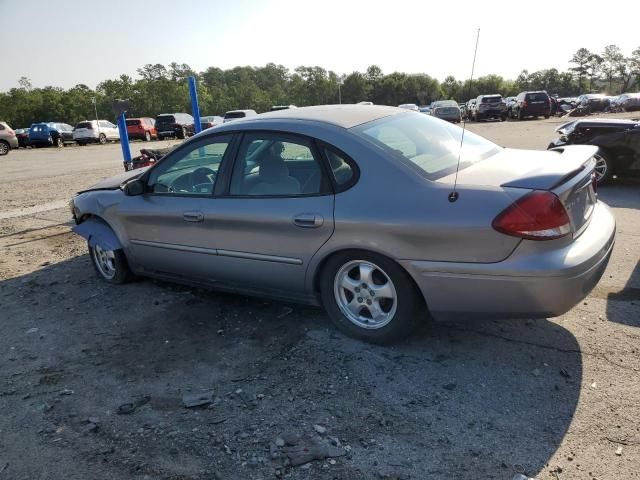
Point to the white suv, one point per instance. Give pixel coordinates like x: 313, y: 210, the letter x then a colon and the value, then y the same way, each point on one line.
x: 95, y: 131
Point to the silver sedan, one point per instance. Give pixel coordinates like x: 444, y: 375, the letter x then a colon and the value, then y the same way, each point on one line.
x: 363, y: 210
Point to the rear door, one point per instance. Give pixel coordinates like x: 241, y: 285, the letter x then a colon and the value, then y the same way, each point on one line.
x: 274, y: 215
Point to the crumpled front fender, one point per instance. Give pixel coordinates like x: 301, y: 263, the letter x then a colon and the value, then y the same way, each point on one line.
x: 98, y: 232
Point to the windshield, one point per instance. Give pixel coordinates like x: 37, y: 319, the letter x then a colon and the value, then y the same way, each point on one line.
x: 430, y: 144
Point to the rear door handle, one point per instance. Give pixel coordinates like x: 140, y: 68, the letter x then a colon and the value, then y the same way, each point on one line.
x: 193, y: 216
x: 308, y: 220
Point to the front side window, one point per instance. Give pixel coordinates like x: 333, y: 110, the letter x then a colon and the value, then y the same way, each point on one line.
x: 276, y: 165
x: 190, y: 171
x: 430, y: 144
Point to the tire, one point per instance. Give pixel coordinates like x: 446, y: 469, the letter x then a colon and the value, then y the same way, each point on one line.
x: 147, y: 136
x: 160, y: 137
x: 604, y: 166
x: 4, y: 147
x: 520, y: 115
x: 110, y: 265
x: 398, y: 313
x: 182, y: 134
x: 546, y: 116
x: 102, y: 139
x: 58, y: 142
x: 503, y: 118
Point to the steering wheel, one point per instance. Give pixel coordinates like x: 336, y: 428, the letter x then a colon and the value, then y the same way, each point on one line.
x: 202, y: 178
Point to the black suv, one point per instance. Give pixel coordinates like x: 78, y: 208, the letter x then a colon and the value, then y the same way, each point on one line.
x: 490, y: 106
x: 179, y: 125
x: 531, y: 104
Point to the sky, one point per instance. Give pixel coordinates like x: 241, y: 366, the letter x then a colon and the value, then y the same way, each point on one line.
x: 67, y: 42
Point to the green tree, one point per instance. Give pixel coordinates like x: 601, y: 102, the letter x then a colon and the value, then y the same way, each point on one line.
x: 581, y: 59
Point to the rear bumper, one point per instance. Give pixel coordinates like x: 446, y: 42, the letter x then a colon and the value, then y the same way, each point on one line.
x: 531, y: 283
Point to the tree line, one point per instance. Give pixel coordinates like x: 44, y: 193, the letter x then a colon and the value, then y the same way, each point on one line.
x: 163, y: 88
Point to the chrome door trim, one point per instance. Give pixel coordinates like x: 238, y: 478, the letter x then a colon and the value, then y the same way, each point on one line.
x: 222, y: 253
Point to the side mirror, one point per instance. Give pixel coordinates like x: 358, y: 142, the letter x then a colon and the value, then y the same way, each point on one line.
x: 134, y: 187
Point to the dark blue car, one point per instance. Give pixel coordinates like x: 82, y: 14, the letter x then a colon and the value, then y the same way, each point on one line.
x: 51, y: 133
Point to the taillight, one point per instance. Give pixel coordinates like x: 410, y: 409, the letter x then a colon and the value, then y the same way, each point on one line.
x: 594, y: 182
x: 535, y: 216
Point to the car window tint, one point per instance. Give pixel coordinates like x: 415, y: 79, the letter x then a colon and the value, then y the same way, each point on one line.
x: 341, y: 170
x: 273, y: 165
x: 190, y: 171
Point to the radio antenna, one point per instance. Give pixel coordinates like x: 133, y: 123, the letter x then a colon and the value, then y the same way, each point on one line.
x: 453, y: 196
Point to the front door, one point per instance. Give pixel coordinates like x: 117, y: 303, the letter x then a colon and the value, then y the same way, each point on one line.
x: 166, y: 227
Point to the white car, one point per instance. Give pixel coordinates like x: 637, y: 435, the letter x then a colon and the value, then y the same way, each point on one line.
x: 95, y: 131
x: 410, y: 106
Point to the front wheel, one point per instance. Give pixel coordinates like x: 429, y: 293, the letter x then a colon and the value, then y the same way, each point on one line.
x: 102, y: 139
x: 58, y: 142
x: 147, y: 136
x: 110, y: 265
x: 603, y: 167
x: 369, y: 297
x: 4, y: 147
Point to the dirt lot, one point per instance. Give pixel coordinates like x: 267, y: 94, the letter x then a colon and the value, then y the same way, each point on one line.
x: 556, y: 399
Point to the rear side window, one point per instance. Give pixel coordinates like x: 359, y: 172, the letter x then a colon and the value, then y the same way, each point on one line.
x: 166, y: 119
x: 88, y: 125
x: 537, y: 97
x: 342, y: 170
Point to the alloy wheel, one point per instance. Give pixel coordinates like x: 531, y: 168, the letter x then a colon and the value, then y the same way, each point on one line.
x: 365, y: 294
x: 105, y: 261
x: 601, y: 168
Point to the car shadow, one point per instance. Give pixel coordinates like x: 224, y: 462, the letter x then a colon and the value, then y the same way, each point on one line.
x: 622, y: 305
x: 466, y: 400
x: 621, y: 192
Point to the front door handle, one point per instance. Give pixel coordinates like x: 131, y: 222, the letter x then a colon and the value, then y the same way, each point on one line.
x: 308, y: 220
x: 193, y: 216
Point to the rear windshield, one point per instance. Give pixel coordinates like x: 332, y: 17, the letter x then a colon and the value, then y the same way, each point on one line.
x: 537, y: 97
x: 165, y: 119
x: 133, y: 122
x: 40, y: 127
x: 495, y: 99
x: 429, y: 144
x: 88, y: 125
x: 235, y: 115
x: 444, y: 103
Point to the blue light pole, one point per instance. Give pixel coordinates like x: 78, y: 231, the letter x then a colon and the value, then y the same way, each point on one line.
x: 124, y: 138
x: 195, y: 109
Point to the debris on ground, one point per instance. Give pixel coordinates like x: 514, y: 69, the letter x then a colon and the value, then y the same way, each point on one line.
x: 619, y: 451
x: 128, y: 408
x: 191, y: 400
x: 299, y: 450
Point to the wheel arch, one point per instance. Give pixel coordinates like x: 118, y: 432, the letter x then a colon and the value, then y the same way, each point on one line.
x: 97, y: 230
x: 322, y: 263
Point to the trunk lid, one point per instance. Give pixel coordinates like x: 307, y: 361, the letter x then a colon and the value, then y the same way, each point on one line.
x: 567, y: 172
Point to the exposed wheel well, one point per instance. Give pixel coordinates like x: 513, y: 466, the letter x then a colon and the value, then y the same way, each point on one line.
x: 355, y: 252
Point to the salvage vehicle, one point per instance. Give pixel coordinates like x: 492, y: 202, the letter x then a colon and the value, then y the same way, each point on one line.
x: 8, y: 139
x: 50, y: 134
x: 446, y: 110
x: 177, y: 125
x: 95, y: 131
x: 488, y: 107
x: 531, y: 104
x: 593, y: 102
x: 354, y: 208
x: 618, y: 143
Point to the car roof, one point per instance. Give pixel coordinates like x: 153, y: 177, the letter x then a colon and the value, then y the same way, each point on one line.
x: 345, y: 116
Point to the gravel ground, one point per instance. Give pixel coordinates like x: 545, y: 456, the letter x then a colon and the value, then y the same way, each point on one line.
x: 93, y: 375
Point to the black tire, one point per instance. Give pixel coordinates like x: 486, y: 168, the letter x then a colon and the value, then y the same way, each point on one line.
x: 58, y: 142
x: 147, y: 136
x: 520, y: 115
x: 160, y: 137
x: 603, y: 158
x: 182, y: 134
x: 408, y: 310
x: 503, y: 118
x: 546, y: 116
x: 122, y: 271
x: 4, y: 147
x: 102, y: 139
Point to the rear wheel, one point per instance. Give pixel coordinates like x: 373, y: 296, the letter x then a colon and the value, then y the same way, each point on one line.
x: 603, y: 167
x: 102, y: 139
x: 147, y: 136
x: 110, y: 265
x: 58, y: 142
x: 520, y: 115
x: 160, y: 137
x: 182, y: 134
x: 4, y: 147
x: 369, y: 297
